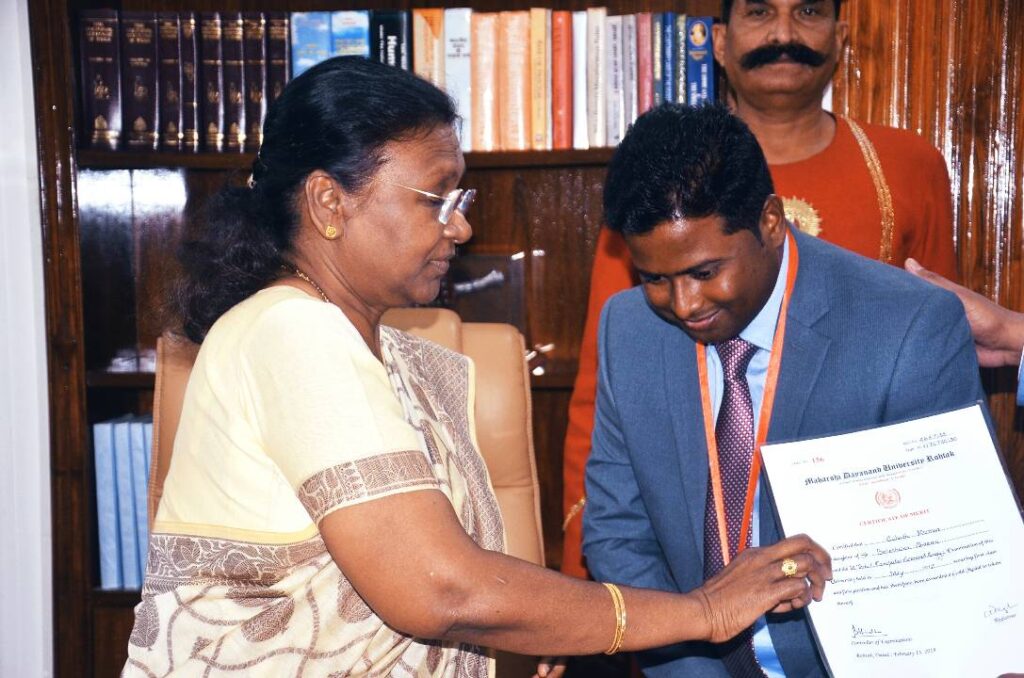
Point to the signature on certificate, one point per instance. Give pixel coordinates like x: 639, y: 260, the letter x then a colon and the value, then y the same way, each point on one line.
x: 999, y: 613
x: 866, y: 632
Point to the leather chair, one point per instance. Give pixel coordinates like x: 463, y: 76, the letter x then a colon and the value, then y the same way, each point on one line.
x: 503, y: 419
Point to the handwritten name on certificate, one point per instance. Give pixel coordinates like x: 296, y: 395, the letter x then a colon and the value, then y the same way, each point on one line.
x: 927, y: 546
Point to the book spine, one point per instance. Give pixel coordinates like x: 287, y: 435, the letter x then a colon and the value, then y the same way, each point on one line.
x: 458, y: 68
x: 514, y: 80
x: 484, y: 69
x: 614, y: 102
x: 644, y: 70
x: 389, y: 38
x: 169, y: 69
x: 99, y: 34
x: 350, y: 33
x: 140, y: 486
x: 279, y: 62
x: 668, y: 56
x: 657, y: 60
x: 680, y: 59
x: 540, y: 104
x: 139, y: 81
x: 311, y: 40
x: 190, y: 86
x: 700, y: 61
x: 232, y: 43
x: 211, y: 77
x: 428, y: 44
x: 596, y: 74
x: 254, y: 49
x: 106, y: 505
x: 561, y: 79
x: 629, y: 72
x: 580, y: 136
x: 126, y: 505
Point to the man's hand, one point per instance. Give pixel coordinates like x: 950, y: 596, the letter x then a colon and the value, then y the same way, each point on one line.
x: 550, y: 667
x: 998, y: 332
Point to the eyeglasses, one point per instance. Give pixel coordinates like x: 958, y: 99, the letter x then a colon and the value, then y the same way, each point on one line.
x: 458, y: 200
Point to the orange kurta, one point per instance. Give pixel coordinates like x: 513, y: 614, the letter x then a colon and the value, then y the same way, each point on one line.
x: 838, y: 186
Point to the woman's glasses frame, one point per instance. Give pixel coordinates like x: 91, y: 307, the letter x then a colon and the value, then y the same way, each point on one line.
x: 458, y: 200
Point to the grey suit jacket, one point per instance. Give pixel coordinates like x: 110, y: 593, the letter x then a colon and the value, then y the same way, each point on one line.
x: 866, y: 344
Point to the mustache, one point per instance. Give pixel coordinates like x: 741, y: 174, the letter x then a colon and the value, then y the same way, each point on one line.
x: 769, y: 54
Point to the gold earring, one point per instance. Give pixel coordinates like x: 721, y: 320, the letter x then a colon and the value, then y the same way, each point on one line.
x: 331, y: 232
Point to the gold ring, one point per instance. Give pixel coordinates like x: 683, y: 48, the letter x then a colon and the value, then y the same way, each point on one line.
x: 789, y: 567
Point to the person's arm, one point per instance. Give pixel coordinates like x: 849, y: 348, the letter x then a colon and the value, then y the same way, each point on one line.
x: 998, y: 332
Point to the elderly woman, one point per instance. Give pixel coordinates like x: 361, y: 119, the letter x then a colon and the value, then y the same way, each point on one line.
x: 326, y: 512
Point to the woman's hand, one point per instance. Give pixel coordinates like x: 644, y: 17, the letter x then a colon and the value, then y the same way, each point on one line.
x: 550, y: 667
x: 755, y: 583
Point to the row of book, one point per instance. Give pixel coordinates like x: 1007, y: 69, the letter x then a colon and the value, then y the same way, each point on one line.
x: 535, y: 79
x: 180, y: 81
x: 121, y: 457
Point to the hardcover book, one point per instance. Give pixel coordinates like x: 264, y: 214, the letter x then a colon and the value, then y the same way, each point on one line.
x: 232, y: 40
x: 311, y: 40
x: 668, y: 56
x: 139, y: 81
x: 629, y: 68
x: 389, y: 37
x: 700, y: 61
x: 680, y: 59
x: 540, y: 78
x: 644, y: 64
x: 458, y: 68
x: 101, y: 78
x: 279, y: 66
x: 190, y: 88
x: 254, y: 51
x: 169, y: 70
x: 350, y: 33
x: 580, y: 134
x: 657, y: 60
x: 561, y: 79
x: 597, y: 71
x: 615, y: 100
x: 130, y: 570
x: 428, y: 44
x: 140, y: 486
x: 514, y: 80
x: 106, y: 505
x: 211, y: 77
x: 484, y: 92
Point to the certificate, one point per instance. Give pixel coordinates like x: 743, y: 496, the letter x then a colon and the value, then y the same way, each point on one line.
x: 927, y: 546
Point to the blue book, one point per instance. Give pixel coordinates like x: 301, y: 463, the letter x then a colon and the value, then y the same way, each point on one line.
x: 700, y: 61
x: 657, y: 47
x: 668, y: 55
x: 148, y: 433
x: 140, y: 486
x: 126, y: 505
x: 350, y: 33
x: 106, y: 505
x: 311, y: 40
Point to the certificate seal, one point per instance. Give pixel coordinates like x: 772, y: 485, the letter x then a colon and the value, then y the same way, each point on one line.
x: 888, y: 498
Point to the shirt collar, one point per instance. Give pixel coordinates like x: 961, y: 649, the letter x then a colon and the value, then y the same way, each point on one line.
x: 761, y: 330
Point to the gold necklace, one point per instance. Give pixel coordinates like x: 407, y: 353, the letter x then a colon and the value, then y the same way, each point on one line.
x: 299, y: 274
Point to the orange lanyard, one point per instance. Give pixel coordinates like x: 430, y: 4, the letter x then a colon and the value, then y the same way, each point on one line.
x: 762, y: 428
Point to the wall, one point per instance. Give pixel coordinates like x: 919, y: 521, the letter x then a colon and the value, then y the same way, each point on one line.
x: 25, y: 616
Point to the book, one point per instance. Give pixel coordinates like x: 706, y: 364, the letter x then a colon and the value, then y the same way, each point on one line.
x: 615, y: 120
x: 168, y: 28
x: 458, y: 68
x: 100, y: 42
x: 680, y: 59
x: 254, y: 54
x: 232, y: 41
x: 561, y: 79
x: 657, y: 60
x: 629, y: 68
x: 311, y: 40
x: 140, y: 487
x: 580, y: 134
x: 700, y: 61
x: 279, y: 66
x: 350, y: 33
x: 668, y: 56
x: 644, y: 64
x: 540, y: 78
x: 428, y: 44
x: 190, y: 86
x: 139, y: 81
x: 597, y: 71
x: 389, y: 37
x: 514, y: 132
x: 107, y: 525
x: 130, y: 571
x: 211, y: 79
x: 484, y: 77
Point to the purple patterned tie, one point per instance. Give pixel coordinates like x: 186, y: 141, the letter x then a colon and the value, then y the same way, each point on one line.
x: 734, y: 436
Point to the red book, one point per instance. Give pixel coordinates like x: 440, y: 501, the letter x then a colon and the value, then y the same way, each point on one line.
x: 561, y: 79
x: 644, y: 64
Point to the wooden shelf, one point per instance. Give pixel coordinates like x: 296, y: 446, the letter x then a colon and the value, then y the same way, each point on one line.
x: 104, y: 379
x: 127, y: 598
x: 92, y: 159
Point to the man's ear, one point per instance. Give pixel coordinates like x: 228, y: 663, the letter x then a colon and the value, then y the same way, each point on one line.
x: 842, y: 37
x: 718, y: 32
x: 325, y: 204
x: 773, y: 222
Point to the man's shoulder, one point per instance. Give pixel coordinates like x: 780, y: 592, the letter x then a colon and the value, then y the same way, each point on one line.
x: 902, y: 143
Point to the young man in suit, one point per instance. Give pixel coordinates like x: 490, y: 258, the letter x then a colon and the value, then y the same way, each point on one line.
x: 743, y: 330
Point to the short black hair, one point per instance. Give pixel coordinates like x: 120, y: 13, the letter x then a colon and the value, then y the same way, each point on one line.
x: 727, y: 9
x: 679, y: 162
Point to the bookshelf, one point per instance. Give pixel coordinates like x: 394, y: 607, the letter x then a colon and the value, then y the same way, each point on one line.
x: 110, y: 224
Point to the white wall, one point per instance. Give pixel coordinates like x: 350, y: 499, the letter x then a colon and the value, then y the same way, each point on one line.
x: 26, y: 637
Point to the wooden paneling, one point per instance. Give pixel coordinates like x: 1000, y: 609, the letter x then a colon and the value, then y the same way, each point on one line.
x: 952, y: 71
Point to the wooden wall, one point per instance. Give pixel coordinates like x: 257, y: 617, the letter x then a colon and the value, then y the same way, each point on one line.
x: 953, y: 70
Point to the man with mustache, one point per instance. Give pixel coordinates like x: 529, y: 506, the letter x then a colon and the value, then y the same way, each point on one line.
x: 743, y: 330
x: 878, y: 191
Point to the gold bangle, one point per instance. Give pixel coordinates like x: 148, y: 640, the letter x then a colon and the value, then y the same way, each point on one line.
x: 620, y: 618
